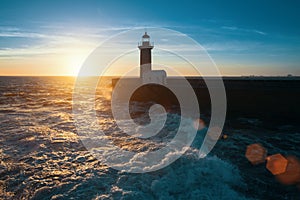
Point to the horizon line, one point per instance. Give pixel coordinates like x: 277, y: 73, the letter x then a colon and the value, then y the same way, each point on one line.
x: 44, y: 75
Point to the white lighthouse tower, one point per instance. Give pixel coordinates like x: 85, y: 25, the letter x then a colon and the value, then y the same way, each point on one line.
x: 146, y: 73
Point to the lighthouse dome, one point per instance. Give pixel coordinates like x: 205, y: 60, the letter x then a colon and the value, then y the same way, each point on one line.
x: 146, y: 35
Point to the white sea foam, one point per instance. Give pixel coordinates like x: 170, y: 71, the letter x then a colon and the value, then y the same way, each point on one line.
x: 187, y: 178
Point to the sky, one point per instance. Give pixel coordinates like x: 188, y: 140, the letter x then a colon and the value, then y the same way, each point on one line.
x: 242, y: 37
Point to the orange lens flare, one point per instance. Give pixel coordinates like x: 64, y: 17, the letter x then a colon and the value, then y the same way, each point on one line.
x: 276, y: 164
x: 199, y: 124
x: 292, y: 173
x: 256, y: 154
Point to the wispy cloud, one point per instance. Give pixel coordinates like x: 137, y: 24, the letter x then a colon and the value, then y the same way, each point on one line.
x: 243, y: 30
x: 46, y: 41
x: 232, y: 46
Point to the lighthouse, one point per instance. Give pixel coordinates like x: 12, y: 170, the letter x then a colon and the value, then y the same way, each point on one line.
x: 146, y: 73
x: 145, y: 55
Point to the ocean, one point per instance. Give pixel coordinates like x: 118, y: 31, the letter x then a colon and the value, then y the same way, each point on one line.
x: 41, y: 156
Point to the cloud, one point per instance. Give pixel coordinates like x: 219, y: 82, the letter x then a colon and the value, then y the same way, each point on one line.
x: 242, y: 30
x: 57, y: 40
x: 230, y: 46
x: 45, y: 42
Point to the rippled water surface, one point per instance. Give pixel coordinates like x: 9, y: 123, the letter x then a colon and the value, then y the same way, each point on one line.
x: 41, y: 156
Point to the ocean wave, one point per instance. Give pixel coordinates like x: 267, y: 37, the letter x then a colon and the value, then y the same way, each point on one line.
x: 187, y: 178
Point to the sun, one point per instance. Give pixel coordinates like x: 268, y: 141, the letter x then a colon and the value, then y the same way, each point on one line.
x: 74, y: 63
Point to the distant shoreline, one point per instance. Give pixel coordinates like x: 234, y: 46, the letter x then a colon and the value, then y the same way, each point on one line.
x: 171, y: 77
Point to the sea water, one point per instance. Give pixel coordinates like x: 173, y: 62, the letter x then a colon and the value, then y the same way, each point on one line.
x: 41, y: 156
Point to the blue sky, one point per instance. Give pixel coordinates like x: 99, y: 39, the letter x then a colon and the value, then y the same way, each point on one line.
x: 243, y: 37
